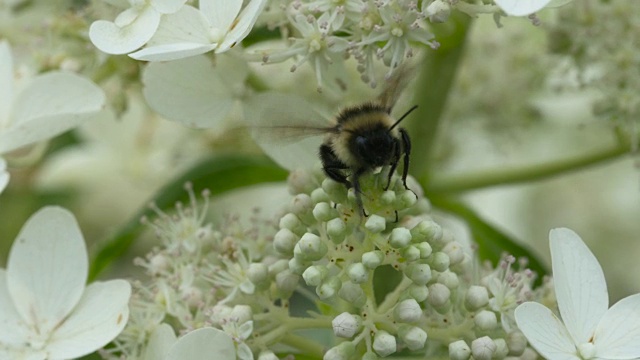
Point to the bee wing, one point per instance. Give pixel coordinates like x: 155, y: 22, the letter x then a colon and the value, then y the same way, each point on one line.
x: 287, y: 128
x: 395, y: 84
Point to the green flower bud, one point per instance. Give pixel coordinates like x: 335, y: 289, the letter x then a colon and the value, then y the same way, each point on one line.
x: 476, y: 298
x: 324, y: 212
x: 301, y: 204
x: 328, y: 288
x: 301, y: 181
x: 358, y: 273
x: 407, y: 311
x: 412, y: 336
x: 267, y: 355
x: 346, y: 325
x: 419, y: 292
x: 292, y: 222
x: 459, y: 350
x: 426, y: 230
x: 455, y: 252
x: 439, y: 261
x: 483, y: 348
x: 372, y: 259
x: 278, y: 267
x: 241, y: 312
x: 284, y: 241
x: 517, y: 343
x: 298, y: 266
x: 400, y: 237
x: 287, y: 282
x: 258, y: 274
x: 388, y: 197
x: 314, y: 275
x: 336, y: 191
x: 319, y: 195
x: 375, y: 223
x: 337, y: 230
x: 425, y: 249
x: 343, y: 351
x: 438, y: 295
x: 410, y: 253
x: 486, y: 320
x: 353, y: 294
x: 406, y: 200
x: 420, y: 274
x: 384, y: 344
x: 449, y: 279
x: 438, y: 11
x: 310, y: 248
x: 501, y: 349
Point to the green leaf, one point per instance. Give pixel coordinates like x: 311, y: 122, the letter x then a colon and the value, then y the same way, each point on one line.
x: 492, y: 242
x: 219, y: 175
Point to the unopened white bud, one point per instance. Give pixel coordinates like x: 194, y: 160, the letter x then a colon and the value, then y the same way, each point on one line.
x: 328, y: 288
x: 501, y: 349
x: 517, y: 343
x: 384, y: 344
x: 408, y: 311
x: 455, y: 252
x: 477, y: 297
x: 426, y: 230
x: 439, y: 261
x: 336, y: 191
x: 343, y: 351
x: 284, y: 241
x: 412, y: 336
x: 372, y: 259
x: 292, y: 222
x: 310, y: 248
x: 278, y: 267
x: 486, y: 320
x: 298, y: 266
x: 301, y: 181
x: 370, y: 356
x: 449, y: 279
x: 388, y: 197
x: 287, y: 282
x: 438, y: 11
x: 358, y: 273
x: 420, y: 274
x: 267, y: 355
x: 438, y: 295
x: 406, y: 200
x: 353, y: 294
x: 425, y: 249
x: 319, y: 195
x: 314, y: 275
x: 337, y: 230
x: 324, y: 212
x: 158, y: 264
x: 410, y: 253
x: 301, y: 204
x: 419, y: 292
x: 241, y: 313
x: 459, y: 350
x: 400, y: 237
x: 441, y: 241
x: 258, y: 274
x: 483, y: 348
x: 375, y: 223
x: 346, y: 325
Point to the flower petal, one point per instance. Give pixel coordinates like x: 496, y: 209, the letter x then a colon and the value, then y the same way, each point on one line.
x: 51, y: 104
x: 243, y: 26
x: 521, y: 7
x: 160, y: 342
x: 202, y: 344
x: 6, y: 82
x: 579, y: 283
x: 4, y: 175
x: 100, y: 316
x: 545, y: 332
x: 111, y: 38
x: 167, y: 6
x: 618, y: 333
x: 13, y: 332
x: 190, y: 91
x: 47, y: 268
x: 221, y: 13
x: 171, y: 52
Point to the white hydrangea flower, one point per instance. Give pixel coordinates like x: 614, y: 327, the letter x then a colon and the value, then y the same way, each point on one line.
x: 133, y: 27
x: 203, y: 343
x: 218, y: 25
x: 521, y: 7
x: 589, y: 329
x: 46, y: 312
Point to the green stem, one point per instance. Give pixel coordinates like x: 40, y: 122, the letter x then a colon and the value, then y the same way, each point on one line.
x: 455, y: 183
x: 437, y: 73
x: 392, y: 298
x: 309, y: 347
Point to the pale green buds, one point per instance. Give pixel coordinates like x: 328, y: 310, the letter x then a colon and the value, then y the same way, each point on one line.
x: 346, y: 325
x: 310, y: 248
x: 410, y: 253
x: 337, y: 230
x: 449, y: 279
x: 501, y: 349
x: 412, y: 336
x: 292, y: 222
x: 438, y: 11
x: 420, y: 274
x: 314, y: 275
x: 324, y: 212
x: 439, y: 261
x: 278, y: 267
x: 353, y: 294
x: 486, y: 320
x: 335, y: 190
x: 455, y: 252
x: 408, y: 311
x: 483, y: 348
x: 284, y: 241
x: 459, y: 350
x: 477, y: 297
x: 328, y: 288
x: 375, y: 223
x: 298, y: 266
x: 419, y: 292
x: 406, y: 199
x: 319, y: 195
x: 258, y: 274
x: 267, y: 355
x: 517, y: 343
x: 358, y: 273
x: 426, y: 230
x: 438, y: 295
x: 343, y: 351
x: 388, y: 197
x: 400, y: 237
x: 425, y: 249
x: 301, y: 204
x: 287, y: 282
x: 384, y: 344
x: 241, y: 313
x: 372, y: 259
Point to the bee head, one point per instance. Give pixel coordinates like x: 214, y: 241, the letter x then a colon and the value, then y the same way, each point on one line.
x: 375, y: 147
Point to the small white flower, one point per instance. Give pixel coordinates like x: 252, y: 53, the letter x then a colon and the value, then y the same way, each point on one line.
x: 589, y: 329
x: 218, y: 25
x: 521, y: 7
x: 45, y: 310
x: 133, y: 27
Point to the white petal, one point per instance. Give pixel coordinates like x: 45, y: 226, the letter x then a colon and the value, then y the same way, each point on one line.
x: 190, y: 91
x: 114, y: 39
x: 47, y: 268
x: 521, y: 7
x: 221, y: 13
x: 171, y: 52
x: 579, y: 283
x: 545, y: 332
x: 160, y: 342
x: 244, y: 25
x: 284, y: 126
x: 100, y: 316
x: 167, y: 6
x: 4, y: 175
x: 618, y: 334
x: 51, y: 104
x: 6, y: 82
x: 13, y: 331
x: 203, y: 344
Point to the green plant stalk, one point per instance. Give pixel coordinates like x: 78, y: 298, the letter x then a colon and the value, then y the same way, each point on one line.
x: 437, y: 74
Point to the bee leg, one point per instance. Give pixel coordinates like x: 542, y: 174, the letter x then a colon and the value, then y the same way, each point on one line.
x: 332, y: 166
x: 406, y: 148
x: 355, y: 179
x: 394, y: 163
x: 396, y: 221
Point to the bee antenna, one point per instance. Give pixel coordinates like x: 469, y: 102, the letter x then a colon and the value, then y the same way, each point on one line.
x: 403, y: 116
